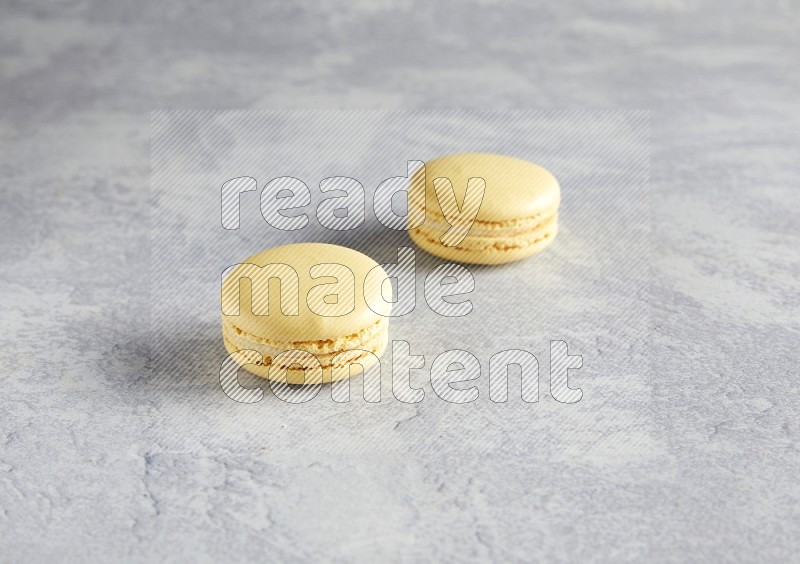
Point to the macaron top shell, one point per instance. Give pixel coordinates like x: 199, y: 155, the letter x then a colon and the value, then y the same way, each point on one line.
x: 515, y: 188
x: 332, y: 302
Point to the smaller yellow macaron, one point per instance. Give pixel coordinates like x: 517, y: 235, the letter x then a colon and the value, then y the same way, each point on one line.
x: 516, y: 203
x: 307, y: 297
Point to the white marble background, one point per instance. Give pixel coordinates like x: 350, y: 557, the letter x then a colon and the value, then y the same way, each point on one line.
x: 699, y: 464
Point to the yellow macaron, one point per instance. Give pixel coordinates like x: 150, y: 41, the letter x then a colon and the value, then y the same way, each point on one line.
x: 308, y: 297
x: 517, y: 214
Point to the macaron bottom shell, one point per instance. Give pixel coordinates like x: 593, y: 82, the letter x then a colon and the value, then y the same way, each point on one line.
x: 487, y: 250
x: 249, y: 355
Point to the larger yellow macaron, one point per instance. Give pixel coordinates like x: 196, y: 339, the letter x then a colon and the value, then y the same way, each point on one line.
x: 517, y: 208
x: 306, y: 298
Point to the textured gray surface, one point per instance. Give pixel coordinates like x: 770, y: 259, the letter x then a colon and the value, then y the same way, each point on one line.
x: 697, y: 462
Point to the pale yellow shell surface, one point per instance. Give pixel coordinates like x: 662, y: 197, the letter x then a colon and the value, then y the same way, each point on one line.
x: 320, y: 271
x: 515, y: 188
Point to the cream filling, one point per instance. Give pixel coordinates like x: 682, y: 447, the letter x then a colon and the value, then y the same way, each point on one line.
x: 434, y: 219
x: 350, y: 347
x: 498, y: 240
